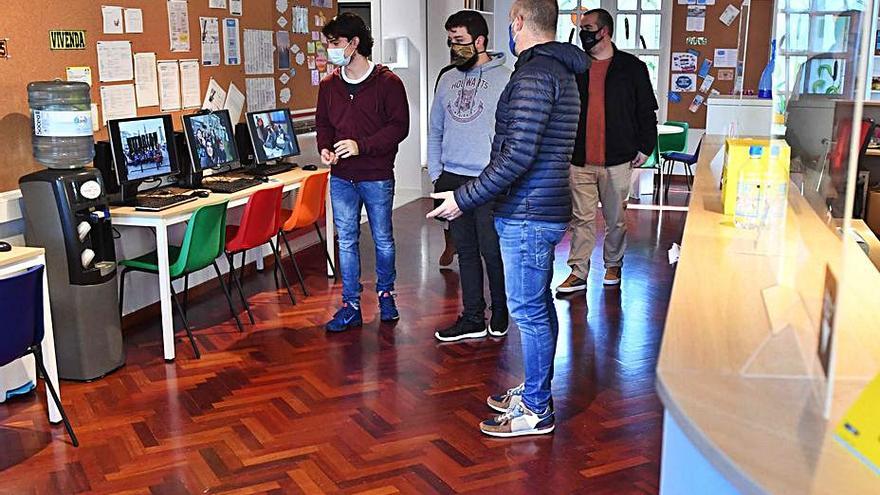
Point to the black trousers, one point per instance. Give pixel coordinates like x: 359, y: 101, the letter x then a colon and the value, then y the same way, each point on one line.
x: 476, y: 243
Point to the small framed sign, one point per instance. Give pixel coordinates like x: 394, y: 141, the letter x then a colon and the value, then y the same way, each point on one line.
x: 4, y: 48
x: 67, y: 40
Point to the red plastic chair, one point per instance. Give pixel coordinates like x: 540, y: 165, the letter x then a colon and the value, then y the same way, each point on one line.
x: 310, y: 206
x: 259, y: 225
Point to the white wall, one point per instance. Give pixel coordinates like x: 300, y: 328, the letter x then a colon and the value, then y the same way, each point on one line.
x: 408, y: 19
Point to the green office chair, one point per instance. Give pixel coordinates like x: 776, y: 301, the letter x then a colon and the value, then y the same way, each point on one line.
x: 672, y: 143
x: 202, y: 244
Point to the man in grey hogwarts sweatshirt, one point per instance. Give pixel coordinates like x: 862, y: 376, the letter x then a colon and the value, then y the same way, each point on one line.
x: 462, y: 126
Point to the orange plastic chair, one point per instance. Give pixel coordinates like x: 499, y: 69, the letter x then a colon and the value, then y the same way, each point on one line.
x: 309, y: 208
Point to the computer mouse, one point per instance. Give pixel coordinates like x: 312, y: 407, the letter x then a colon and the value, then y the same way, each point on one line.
x: 5, y: 246
x: 310, y: 167
x: 201, y: 193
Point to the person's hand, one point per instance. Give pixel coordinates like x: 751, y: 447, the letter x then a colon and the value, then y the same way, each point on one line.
x: 328, y: 158
x: 639, y: 160
x: 346, y: 148
x: 449, y: 209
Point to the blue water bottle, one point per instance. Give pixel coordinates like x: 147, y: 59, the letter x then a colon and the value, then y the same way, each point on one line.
x: 765, y: 85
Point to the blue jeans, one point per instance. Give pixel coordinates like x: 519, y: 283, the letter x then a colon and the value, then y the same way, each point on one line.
x: 348, y: 199
x: 527, y: 248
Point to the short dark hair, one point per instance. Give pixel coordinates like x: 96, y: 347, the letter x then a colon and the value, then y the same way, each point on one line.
x: 349, y: 25
x: 604, y: 19
x: 471, y: 20
x: 543, y: 14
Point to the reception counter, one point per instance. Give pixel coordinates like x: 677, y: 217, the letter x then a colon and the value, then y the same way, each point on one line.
x: 738, y: 372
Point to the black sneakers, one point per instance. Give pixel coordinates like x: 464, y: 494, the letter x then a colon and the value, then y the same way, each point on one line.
x: 461, y: 330
x: 498, y: 323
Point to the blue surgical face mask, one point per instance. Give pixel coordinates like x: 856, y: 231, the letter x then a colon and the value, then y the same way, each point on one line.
x: 336, y: 56
x: 512, y: 40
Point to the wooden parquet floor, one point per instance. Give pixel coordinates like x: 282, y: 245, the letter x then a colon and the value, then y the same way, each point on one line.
x: 287, y: 408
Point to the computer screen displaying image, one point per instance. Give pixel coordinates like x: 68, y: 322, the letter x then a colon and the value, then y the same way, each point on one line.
x: 141, y: 147
x: 210, y: 139
x: 272, y: 135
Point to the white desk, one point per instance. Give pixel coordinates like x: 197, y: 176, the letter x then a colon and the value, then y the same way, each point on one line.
x: 160, y: 221
x: 20, y: 259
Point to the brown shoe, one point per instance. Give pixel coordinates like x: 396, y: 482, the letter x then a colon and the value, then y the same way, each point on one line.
x: 449, y: 251
x: 612, y: 276
x: 572, y: 284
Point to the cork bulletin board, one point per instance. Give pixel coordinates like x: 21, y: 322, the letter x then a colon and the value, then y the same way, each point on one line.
x: 26, y: 26
x: 719, y: 36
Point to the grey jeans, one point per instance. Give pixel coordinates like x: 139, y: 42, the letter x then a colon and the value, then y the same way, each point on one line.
x: 591, y: 184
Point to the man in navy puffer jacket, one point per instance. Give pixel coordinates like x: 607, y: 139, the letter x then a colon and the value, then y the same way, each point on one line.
x: 527, y: 177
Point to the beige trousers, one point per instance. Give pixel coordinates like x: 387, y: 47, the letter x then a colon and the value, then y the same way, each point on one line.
x: 591, y: 184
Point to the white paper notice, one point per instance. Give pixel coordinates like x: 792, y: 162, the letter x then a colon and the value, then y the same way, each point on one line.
x: 231, y: 43
x: 215, y: 96
x: 707, y: 83
x: 79, y: 74
x: 134, y: 21
x: 96, y: 124
x: 209, y: 33
x: 259, y: 55
x: 216, y: 4
x: 114, y: 61
x: 190, y: 84
x: 282, y: 21
x: 284, y: 96
x: 112, y: 19
x: 118, y: 102
x: 234, y: 103
x: 146, y: 83
x: 235, y: 7
x: 260, y: 93
x: 725, y: 57
x: 729, y: 15
x: 696, y: 18
x: 169, y: 85
x: 178, y: 25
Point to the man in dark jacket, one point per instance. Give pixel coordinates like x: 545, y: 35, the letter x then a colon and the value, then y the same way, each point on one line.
x: 527, y: 176
x: 617, y: 132
x: 362, y: 117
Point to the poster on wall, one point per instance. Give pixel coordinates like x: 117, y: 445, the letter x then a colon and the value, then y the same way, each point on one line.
x: 231, y: 44
x: 696, y: 104
x: 707, y: 84
x: 209, y: 33
x: 725, y: 57
x: 282, y: 43
x: 324, y: 4
x: 696, y: 18
x: 178, y: 25
x: 235, y: 7
x: 300, y: 20
x: 216, y: 4
x: 684, y: 62
x: 729, y: 15
x: 684, y: 83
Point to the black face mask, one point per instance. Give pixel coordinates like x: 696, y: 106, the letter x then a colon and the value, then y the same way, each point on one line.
x: 588, y: 39
x: 463, y: 55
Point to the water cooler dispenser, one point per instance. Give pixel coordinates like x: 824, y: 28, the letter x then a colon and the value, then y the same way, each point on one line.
x: 66, y: 212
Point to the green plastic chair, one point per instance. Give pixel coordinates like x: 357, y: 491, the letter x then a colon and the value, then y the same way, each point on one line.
x: 672, y: 143
x: 202, y: 244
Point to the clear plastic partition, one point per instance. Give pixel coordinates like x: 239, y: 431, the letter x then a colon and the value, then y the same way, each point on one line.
x: 800, y: 199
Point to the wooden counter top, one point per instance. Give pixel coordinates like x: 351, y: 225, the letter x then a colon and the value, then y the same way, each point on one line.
x: 19, y: 254
x: 764, y: 429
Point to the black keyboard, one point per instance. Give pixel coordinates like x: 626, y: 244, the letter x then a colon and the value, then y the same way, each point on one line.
x: 229, y: 186
x: 267, y: 170
x: 159, y: 203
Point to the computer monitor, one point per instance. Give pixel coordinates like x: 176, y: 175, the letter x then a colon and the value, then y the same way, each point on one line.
x: 272, y: 135
x: 143, y: 148
x: 210, y: 140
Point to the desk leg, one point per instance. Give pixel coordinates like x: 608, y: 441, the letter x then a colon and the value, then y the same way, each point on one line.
x: 48, y: 348
x: 331, y: 234
x: 165, y: 291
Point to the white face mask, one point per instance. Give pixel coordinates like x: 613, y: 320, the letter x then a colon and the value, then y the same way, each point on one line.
x: 336, y: 56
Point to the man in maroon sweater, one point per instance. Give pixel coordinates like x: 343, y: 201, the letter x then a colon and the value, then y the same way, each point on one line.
x: 362, y: 117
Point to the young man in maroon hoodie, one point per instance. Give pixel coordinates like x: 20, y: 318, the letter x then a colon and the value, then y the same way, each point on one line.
x: 362, y: 117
